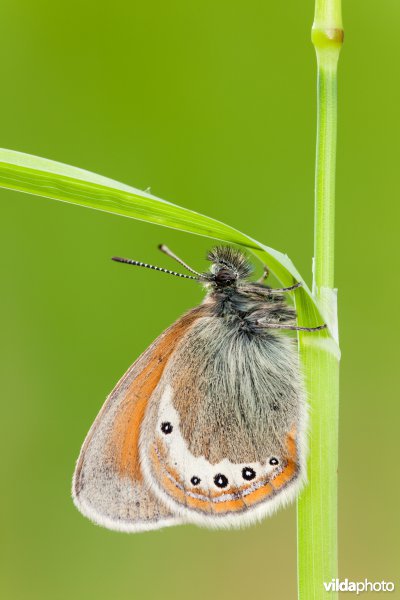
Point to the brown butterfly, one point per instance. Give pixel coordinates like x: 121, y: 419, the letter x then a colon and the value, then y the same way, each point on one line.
x: 209, y: 425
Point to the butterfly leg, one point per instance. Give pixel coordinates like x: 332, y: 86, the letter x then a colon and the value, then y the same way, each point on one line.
x: 268, y: 290
x: 292, y: 327
x: 264, y: 276
x: 286, y: 289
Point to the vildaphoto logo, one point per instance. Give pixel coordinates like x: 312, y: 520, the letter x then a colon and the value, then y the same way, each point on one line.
x: 345, y: 585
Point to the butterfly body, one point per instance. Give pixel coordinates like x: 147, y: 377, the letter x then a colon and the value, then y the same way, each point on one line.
x: 209, y: 425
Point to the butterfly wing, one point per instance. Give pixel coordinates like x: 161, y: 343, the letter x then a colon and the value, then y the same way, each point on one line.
x: 223, y: 443
x: 108, y: 484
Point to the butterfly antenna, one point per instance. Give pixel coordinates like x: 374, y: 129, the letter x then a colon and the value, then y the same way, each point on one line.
x: 136, y: 263
x: 169, y: 253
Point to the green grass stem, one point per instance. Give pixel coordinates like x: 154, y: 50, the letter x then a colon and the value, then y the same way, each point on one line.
x: 317, y: 505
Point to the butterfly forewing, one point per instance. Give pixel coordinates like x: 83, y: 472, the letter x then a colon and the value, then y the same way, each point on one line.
x: 108, y: 484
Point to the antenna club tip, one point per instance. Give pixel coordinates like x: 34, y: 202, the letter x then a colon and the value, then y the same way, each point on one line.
x: 162, y: 247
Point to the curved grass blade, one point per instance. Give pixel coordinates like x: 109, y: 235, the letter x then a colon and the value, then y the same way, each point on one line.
x: 43, y: 177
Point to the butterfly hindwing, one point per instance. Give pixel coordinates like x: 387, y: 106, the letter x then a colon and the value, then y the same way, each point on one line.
x: 108, y: 484
x: 223, y: 442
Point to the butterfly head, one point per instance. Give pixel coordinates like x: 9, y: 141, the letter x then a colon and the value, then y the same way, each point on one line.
x: 228, y: 267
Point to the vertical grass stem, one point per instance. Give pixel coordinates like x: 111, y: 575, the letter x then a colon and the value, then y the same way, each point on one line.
x: 317, y: 506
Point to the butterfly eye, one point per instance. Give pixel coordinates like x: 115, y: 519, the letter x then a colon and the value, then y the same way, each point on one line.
x: 274, y: 461
x: 195, y: 480
x: 166, y: 427
x: 248, y: 473
x: 220, y: 480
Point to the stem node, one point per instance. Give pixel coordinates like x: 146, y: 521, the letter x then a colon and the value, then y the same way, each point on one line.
x: 327, y: 38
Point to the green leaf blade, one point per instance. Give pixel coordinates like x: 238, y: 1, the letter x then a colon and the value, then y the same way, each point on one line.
x: 41, y: 177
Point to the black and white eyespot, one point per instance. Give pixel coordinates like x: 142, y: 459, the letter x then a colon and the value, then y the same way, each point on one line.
x: 248, y: 473
x: 273, y: 461
x: 220, y: 480
x: 166, y: 427
x: 195, y: 480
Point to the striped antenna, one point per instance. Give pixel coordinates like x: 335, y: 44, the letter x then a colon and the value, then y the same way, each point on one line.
x: 136, y: 263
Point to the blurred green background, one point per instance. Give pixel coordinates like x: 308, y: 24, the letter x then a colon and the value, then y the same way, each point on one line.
x: 212, y: 104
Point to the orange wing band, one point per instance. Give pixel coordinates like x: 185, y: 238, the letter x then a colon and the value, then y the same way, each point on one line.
x: 126, y: 429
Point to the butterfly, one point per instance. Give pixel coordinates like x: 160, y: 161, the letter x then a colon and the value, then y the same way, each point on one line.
x: 209, y: 425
